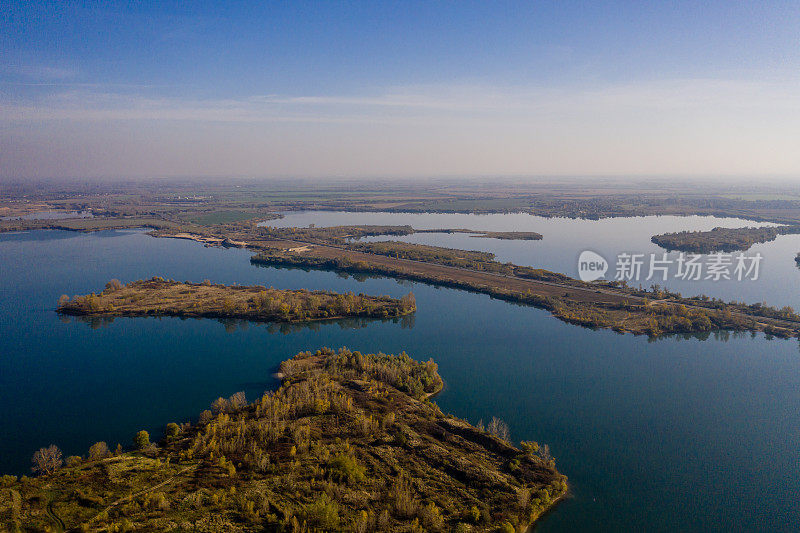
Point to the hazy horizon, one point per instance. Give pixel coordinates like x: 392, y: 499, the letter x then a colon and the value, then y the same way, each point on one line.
x: 409, y: 90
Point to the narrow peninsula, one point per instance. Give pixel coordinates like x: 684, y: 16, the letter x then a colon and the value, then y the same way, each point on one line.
x: 349, y: 442
x: 160, y: 297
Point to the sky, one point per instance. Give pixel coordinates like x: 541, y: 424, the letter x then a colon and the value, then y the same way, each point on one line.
x: 399, y: 89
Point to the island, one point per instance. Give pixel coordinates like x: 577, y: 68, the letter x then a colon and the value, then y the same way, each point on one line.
x: 509, y: 235
x: 349, y: 442
x: 160, y: 297
x: 503, y: 235
x: 720, y: 239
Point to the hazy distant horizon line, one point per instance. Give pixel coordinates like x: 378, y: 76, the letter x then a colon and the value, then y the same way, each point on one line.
x: 633, y: 177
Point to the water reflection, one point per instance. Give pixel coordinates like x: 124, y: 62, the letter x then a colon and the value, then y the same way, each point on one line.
x: 232, y: 325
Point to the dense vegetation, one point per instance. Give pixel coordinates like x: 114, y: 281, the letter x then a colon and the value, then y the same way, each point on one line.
x: 349, y: 442
x: 720, y: 239
x: 159, y: 297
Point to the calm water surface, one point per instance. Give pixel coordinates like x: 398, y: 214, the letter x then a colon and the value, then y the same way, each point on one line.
x: 678, y: 434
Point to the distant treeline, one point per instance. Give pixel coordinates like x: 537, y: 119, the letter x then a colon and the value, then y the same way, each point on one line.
x: 341, y: 234
x: 334, y: 233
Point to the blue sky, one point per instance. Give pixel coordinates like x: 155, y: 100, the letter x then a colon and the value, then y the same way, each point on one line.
x: 399, y: 88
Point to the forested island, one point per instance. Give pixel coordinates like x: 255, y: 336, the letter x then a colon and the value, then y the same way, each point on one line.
x: 509, y: 235
x: 349, y: 442
x: 160, y: 297
x: 720, y: 239
x: 502, y: 235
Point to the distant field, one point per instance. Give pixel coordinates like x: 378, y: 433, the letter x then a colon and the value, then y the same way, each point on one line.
x: 467, y: 205
x: 220, y: 217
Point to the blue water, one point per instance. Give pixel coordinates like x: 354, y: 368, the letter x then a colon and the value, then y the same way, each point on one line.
x: 677, y: 434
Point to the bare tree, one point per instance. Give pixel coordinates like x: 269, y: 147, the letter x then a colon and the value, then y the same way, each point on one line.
x: 220, y: 405
x: 498, y: 428
x: 205, y: 417
x: 237, y: 401
x: 47, y: 460
x: 113, y: 285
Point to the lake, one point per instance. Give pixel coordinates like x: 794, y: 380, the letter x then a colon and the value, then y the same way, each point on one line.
x: 680, y: 433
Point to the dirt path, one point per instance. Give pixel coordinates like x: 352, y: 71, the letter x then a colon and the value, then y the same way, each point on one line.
x: 51, y: 513
x: 143, y: 491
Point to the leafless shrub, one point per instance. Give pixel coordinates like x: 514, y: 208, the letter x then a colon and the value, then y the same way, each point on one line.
x: 237, y: 401
x: 113, y: 285
x: 523, y: 498
x: 405, y: 504
x: 205, y: 417
x: 499, y: 429
x: 47, y: 460
x: 382, y: 523
x: 362, y: 523
x: 220, y: 405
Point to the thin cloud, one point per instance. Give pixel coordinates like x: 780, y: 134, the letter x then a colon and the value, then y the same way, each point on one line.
x: 39, y: 72
x: 698, y: 96
x: 691, y: 126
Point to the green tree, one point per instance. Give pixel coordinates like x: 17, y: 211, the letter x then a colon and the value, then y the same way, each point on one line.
x: 98, y: 450
x: 344, y: 468
x: 142, y: 440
